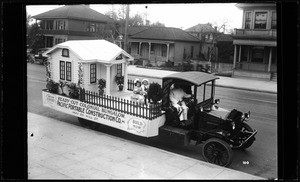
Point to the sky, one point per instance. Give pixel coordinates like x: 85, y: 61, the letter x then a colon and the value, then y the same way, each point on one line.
x: 171, y: 15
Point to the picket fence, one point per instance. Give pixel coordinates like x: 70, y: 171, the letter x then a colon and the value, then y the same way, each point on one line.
x: 146, y: 111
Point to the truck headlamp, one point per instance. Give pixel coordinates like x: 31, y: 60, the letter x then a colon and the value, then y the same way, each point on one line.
x: 233, y: 125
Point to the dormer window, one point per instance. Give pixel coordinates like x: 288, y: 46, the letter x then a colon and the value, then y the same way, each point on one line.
x: 65, y: 53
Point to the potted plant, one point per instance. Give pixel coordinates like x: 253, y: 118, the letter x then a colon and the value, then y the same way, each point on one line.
x: 73, y: 90
x: 101, y: 85
x: 120, y: 82
x: 52, y: 86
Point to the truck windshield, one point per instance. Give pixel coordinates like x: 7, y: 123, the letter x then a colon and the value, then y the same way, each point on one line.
x: 204, y: 92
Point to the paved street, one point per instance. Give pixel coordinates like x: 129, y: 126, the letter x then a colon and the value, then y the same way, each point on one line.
x: 260, y: 159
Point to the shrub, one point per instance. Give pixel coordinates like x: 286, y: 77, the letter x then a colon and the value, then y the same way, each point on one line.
x: 52, y: 86
x: 155, y: 92
x: 101, y: 85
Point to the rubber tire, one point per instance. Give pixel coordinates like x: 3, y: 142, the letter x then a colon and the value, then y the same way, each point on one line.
x: 215, y: 145
x: 249, y: 143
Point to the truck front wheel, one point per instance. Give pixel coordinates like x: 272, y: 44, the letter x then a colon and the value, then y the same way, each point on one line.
x: 217, y: 151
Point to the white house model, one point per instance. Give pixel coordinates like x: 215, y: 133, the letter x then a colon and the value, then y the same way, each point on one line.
x: 86, y: 61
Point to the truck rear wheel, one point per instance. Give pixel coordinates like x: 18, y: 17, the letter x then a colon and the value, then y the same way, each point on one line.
x: 217, y: 151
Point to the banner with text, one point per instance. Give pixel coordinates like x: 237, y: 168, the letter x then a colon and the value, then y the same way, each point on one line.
x: 120, y: 120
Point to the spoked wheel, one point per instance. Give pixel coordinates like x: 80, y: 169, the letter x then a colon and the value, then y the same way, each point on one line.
x: 243, y: 136
x: 217, y: 151
x: 86, y: 123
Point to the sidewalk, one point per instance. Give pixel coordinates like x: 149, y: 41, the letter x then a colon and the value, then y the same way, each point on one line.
x: 59, y: 150
x: 229, y: 82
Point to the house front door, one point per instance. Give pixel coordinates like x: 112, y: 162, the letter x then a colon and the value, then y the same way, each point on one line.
x: 145, y: 50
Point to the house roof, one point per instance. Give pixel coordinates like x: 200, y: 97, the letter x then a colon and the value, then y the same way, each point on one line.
x: 81, y: 12
x: 202, y: 28
x: 164, y: 33
x: 92, y: 50
x: 133, y: 30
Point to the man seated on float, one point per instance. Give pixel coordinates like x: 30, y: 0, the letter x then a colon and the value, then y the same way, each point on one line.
x: 137, y: 91
x: 177, y: 94
x: 145, y: 88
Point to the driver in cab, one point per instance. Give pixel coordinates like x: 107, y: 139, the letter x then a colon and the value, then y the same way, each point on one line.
x: 177, y: 94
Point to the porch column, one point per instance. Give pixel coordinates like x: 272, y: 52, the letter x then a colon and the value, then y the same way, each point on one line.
x: 234, y: 57
x: 125, y: 76
x: 270, y: 60
x: 140, y: 48
x: 168, y: 47
x: 240, y: 52
x: 45, y: 41
x: 108, y: 79
x: 149, y: 49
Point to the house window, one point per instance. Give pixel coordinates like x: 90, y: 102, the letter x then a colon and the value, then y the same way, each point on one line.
x: 49, y: 24
x: 119, y: 69
x: 93, y: 75
x: 92, y: 27
x: 273, y: 22
x: 65, y: 70
x: 62, y: 70
x: 260, y: 20
x: 248, y: 17
x: 257, y: 54
x: 60, y: 25
x: 65, y: 53
x: 192, y: 51
x: 68, y: 71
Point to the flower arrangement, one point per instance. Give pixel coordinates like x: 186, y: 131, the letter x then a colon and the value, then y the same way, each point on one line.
x: 73, y: 90
x: 62, y: 84
x: 120, y: 81
x: 101, y: 85
x: 52, y: 86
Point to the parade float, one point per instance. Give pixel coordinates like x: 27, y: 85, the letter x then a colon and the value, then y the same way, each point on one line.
x: 88, y: 79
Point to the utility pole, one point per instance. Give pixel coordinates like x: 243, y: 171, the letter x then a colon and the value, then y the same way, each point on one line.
x: 126, y: 28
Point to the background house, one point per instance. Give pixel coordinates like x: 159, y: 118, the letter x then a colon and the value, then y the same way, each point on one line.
x: 255, y: 45
x: 216, y: 47
x: 72, y: 22
x: 157, y: 45
x: 207, y: 34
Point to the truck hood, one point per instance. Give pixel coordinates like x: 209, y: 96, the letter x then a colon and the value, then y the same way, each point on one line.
x: 220, y: 113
